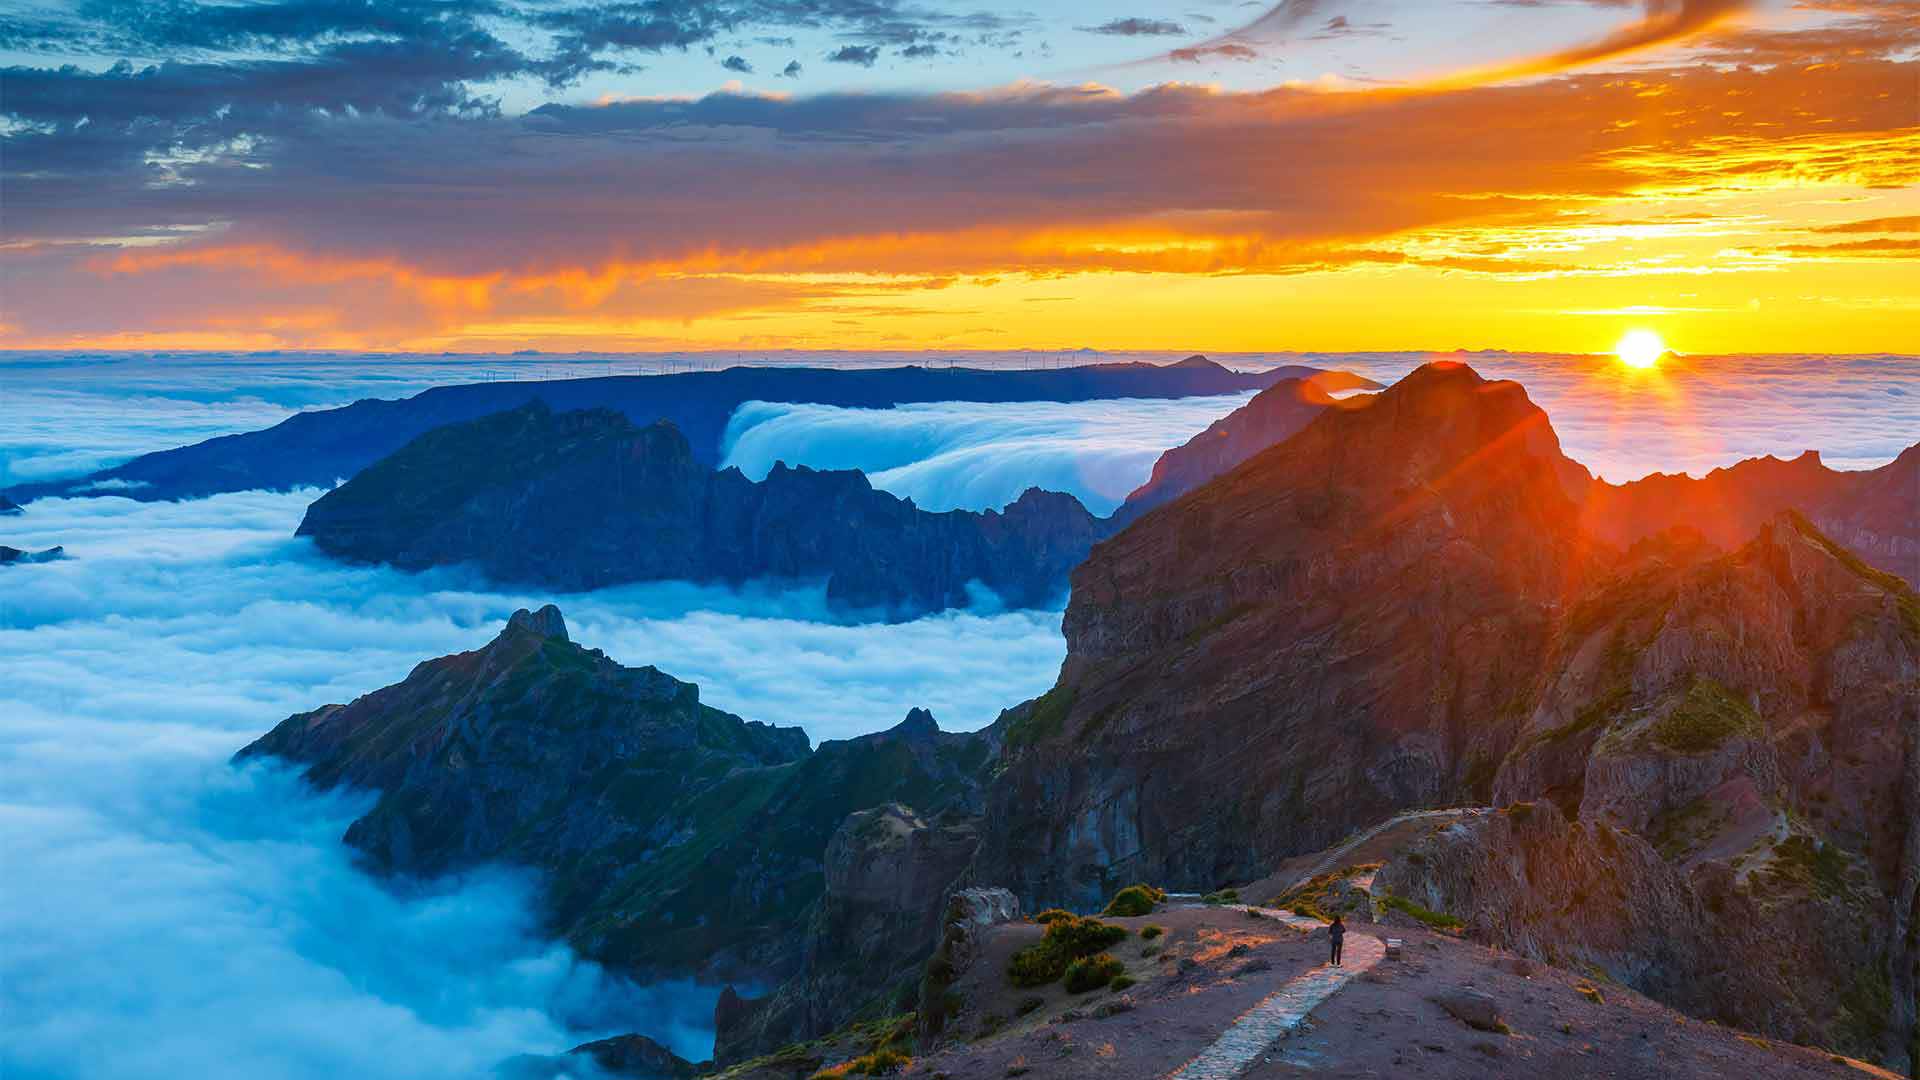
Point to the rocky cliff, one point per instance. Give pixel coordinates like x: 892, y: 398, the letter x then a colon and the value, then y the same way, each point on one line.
x: 1273, y: 416
x: 585, y: 499
x: 888, y: 874
x: 1400, y: 607
x: 1875, y: 513
x: 671, y: 838
x: 1736, y: 742
x: 1331, y: 631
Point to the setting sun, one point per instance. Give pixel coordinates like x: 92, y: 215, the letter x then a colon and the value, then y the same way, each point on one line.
x: 1640, y: 349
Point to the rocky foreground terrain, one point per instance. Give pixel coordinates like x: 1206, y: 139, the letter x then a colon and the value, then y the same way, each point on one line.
x: 1705, y: 759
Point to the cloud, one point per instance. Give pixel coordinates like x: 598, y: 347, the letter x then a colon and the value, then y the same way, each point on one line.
x: 792, y: 70
x: 176, y: 915
x: 860, y: 55
x: 737, y: 63
x: 1137, y: 27
x: 961, y: 455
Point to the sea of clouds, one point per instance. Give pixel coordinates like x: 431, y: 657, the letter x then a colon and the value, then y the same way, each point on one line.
x: 974, y: 456
x: 166, y: 914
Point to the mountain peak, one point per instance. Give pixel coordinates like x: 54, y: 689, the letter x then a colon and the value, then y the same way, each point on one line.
x: 547, y: 622
x: 1197, y: 361
x: 919, y: 722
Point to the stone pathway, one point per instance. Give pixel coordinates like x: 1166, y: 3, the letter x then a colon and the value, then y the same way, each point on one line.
x: 1279, y: 1013
x: 1335, y: 857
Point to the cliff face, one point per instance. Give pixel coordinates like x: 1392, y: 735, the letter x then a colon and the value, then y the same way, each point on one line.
x: 1874, y: 513
x: 584, y: 500
x: 1273, y: 416
x: 1713, y: 759
x: 1752, y: 723
x: 1332, y: 631
x: 672, y: 838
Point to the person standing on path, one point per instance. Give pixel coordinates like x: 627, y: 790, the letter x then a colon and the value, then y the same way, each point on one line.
x: 1337, y: 935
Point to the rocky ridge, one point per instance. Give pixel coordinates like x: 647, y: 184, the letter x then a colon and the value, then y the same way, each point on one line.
x: 584, y: 500
x: 672, y: 838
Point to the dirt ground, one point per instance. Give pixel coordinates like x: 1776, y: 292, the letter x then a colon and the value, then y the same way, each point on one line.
x: 1216, y: 963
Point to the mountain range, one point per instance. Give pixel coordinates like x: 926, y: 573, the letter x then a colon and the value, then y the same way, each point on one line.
x: 1705, y: 750
x: 321, y: 447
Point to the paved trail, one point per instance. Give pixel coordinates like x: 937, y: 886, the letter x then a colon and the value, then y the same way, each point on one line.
x: 1279, y: 1013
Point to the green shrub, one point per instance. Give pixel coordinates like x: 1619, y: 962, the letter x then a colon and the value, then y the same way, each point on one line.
x: 1437, y: 919
x: 1709, y: 715
x: 1066, y: 940
x: 1224, y: 896
x: 1053, y: 915
x: 878, y: 1063
x: 1093, y: 972
x: 1151, y: 931
x: 1036, y: 965
x: 1135, y: 900
x: 1121, y: 982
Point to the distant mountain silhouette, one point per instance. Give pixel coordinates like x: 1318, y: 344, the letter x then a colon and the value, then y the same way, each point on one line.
x: 325, y: 446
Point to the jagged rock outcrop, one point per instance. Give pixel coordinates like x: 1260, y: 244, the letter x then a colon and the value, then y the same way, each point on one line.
x: 321, y: 447
x: 1751, y: 722
x: 888, y: 872
x: 9, y: 555
x: 1330, y: 632
x: 1399, y: 607
x: 1273, y: 416
x: 672, y: 838
x: 1874, y: 513
x: 585, y: 499
x: 623, y: 1057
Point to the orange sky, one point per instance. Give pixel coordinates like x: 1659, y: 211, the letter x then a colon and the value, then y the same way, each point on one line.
x: 1752, y: 184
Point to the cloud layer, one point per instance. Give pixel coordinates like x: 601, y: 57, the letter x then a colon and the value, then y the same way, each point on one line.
x: 969, y: 456
x: 170, y: 916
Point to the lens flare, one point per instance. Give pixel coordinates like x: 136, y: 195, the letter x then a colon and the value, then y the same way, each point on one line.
x: 1640, y: 349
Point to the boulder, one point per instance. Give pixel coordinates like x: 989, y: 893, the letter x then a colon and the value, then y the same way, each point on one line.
x: 1474, y: 1008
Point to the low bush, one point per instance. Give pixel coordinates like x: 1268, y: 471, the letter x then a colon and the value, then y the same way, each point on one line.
x: 1121, y: 982
x: 1151, y: 931
x: 1053, y: 915
x: 1093, y: 973
x: 1224, y: 896
x: 1135, y: 900
x: 1066, y: 940
x: 1439, y: 920
x: 878, y: 1063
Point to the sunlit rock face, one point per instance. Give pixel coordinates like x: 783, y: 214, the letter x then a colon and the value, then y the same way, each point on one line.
x: 1398, y: 608
x: 1341, y: 627
x: 1875, y: 513
x: 1752, y: 719
x: 584, y: 500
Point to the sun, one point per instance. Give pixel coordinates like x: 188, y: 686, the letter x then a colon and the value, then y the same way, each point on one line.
x: 1640, y: 349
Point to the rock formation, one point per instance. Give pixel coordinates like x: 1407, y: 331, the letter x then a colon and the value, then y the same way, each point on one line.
x: 1332, y: 631
x: 585, y: 499
x: 672, y: 838
x: 1400, y: 607
x: 10, y: 555
x: 1273, y: 416
x: 888, y: 873
x: 1875, y: 513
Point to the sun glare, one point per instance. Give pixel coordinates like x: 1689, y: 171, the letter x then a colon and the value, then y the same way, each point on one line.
x: 1640, y: 349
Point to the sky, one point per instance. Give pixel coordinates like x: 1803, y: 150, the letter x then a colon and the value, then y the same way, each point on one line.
x: 1739, y: 175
